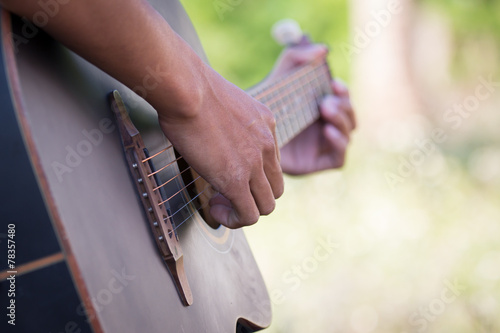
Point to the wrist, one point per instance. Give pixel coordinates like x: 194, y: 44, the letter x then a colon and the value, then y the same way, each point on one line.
x: 182, y: 85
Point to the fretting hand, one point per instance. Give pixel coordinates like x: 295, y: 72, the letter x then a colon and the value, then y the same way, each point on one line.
x: 323, y: 144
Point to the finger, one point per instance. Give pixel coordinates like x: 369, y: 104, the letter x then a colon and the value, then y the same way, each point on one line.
x: 340, y: 89
x: 332, y: 113
x: 338, y: 143
x: 239, y: 212
x: 219, y: 199
x: 262, y: 194
x: 300, y: 55
x: 271, y: 163
x: 220, y: 208
x: 345, y: 107
x: 274, y: 177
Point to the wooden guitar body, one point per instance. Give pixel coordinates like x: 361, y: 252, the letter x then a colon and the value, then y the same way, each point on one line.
x: 85, y: 257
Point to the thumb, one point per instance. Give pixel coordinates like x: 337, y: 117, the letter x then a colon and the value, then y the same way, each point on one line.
x: 302, y: 54
x: 297, y: 56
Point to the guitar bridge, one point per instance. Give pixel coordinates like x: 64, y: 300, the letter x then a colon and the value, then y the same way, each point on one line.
x: 149, y: 189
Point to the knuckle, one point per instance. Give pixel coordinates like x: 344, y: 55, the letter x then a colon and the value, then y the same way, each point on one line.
x: 268, y: 116
x: 271, y: 121
x: 269, y: 145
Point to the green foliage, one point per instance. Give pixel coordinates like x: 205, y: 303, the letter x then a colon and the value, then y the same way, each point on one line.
x: 236, y: 33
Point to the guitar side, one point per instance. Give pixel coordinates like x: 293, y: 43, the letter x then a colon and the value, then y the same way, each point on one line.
x: 87, y: 218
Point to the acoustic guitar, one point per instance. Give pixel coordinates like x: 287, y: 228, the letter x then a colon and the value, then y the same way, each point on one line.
x: 104, y: 226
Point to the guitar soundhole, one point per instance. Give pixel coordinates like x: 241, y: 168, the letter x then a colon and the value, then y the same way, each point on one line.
x: 187, y: 178
x: 199, y: 200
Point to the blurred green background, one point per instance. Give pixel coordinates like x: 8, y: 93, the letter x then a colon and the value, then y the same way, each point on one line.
x: 406, y: 238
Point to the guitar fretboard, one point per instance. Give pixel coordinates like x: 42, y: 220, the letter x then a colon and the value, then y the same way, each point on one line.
x: 294, y: 100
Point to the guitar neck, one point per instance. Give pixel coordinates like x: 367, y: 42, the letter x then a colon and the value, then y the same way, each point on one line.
x: 294, y: 99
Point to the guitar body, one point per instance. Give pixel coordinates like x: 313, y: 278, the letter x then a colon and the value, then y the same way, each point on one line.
x: 85, y: 256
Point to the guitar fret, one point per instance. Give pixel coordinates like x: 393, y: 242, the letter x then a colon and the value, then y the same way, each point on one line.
x: 300, y: 116
x: 294, y: 101
x: 285, y: 115
x: 279, y: 138
x: 293, y: 121
x: 308, y: 112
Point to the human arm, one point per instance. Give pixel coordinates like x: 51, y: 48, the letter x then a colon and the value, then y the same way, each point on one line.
x: 212, y: 123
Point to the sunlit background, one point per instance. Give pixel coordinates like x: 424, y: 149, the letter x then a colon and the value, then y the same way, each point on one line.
x: 406, y: 238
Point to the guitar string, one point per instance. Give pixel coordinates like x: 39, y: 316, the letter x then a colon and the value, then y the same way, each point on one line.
x: 280, y: 111
x: 168, y: 181
x: 302, y: 82
x: 269, y: 89
x: 280, y: 102
x: 284, y: 108
x: 294, y: 82
x: 179, y: 191
x: 177, y: 225
x: 279, y: 83
x: 158, y: 153
x: 165, y: 166
x: 292, y: 87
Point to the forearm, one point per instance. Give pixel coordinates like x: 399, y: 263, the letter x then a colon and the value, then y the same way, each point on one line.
x: 129, y: 40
